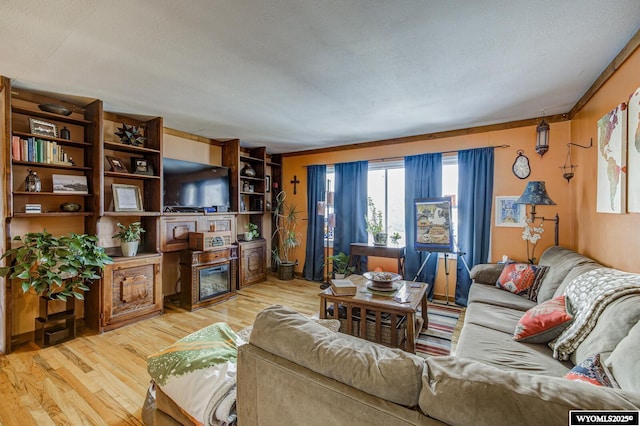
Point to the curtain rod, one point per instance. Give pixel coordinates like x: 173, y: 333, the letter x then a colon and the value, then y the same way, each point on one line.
x: 376, y: 160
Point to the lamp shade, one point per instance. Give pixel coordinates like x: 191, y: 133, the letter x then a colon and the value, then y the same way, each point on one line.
x: 535, y: 193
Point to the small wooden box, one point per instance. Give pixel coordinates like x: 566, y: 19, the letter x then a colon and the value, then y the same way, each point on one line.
x: 204, y: 241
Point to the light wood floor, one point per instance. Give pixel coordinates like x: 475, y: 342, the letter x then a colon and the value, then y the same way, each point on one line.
x: 102, y: 379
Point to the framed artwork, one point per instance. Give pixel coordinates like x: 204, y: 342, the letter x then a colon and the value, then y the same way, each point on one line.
x: 633, y: 152
x: 70, y: 184
x: 433, y: 224
x: 267, y: 184
x: 126, y: 198
x: 612, y: 161
x: 44, y: 128
x: 508, y: 213
x: 141, y: 166
x: 117, y: 165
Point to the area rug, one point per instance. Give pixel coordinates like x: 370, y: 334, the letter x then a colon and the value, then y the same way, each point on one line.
x: 436, y: 339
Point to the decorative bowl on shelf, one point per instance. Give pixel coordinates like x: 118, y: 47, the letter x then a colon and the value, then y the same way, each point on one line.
x: 55, y: 108
x: 70, y: 207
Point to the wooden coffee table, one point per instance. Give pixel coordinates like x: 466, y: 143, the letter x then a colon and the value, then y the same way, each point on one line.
x: 403, y: 302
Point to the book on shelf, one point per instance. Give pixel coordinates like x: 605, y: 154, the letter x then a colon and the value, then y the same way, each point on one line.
x: 343, y: 287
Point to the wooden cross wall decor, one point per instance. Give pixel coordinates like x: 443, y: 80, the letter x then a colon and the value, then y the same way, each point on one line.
x: 295, y: 182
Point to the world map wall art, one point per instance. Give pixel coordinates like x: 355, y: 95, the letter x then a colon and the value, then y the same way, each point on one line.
x: 633, y: 202
x: 612, y: 161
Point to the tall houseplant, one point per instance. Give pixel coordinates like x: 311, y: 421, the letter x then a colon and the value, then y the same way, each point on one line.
x: 286, y: 220
x: 56, y: 267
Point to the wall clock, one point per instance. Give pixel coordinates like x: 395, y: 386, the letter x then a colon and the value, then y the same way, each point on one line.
x: 521, y: 167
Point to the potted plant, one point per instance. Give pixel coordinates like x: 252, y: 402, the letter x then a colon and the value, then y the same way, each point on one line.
x: 341, y: 268
x: 56, y: 267
x: 395, y: 238
x: 286, y: 219
x: 129, y: 237
x: 252, y: 232
x: 374, y: 224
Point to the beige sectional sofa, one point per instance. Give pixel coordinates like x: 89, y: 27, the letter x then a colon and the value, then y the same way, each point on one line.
x: 295, y: 372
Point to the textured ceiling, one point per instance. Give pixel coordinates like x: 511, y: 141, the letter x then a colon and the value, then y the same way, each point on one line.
x: 304, y: 74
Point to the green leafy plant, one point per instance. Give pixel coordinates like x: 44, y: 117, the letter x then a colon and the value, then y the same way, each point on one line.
x: 374, y: 219
x: 252, y: 229
x: 286, y: 219
x: 340, y: 264
x: 130, y: 233
x: 56, y: 267
x: 395, y: 237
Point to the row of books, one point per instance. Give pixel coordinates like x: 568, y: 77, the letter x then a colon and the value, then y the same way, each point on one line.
x: 38, y: 150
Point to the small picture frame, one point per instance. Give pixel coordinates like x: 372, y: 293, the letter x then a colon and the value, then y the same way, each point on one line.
x: 117, y: 165
x: 44, y: 128
x: 126, y: 198
x: 508, y: 213
x: 267, y: 184
x: 141, y: 166
x: 70, y: 184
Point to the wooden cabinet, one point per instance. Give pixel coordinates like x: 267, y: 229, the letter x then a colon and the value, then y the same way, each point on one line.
x: 247, y: 188
x: 175, y: 228
x: 252, y: 262
x: 130, y: 290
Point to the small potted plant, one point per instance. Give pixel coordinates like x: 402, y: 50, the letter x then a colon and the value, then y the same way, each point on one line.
x: 395, y: 238
x: 252, y: 232
x: 129, y: 237
x: 374, y: 224
x: 56, y: 267
x: 341, y: 268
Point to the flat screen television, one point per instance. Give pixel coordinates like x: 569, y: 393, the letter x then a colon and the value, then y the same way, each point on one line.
x: 190, y: 186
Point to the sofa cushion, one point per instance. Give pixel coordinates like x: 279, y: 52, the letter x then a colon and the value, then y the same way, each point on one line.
x: 391, y: 374
x: 498, y: 349
x: 560, y: 261
x: 518, y: 278
x: 543, y: 323
x: 464, y: 392
x: 491, y: 316
x: 591, y: 370
x: 624, y: 361
x: 614, y: 324
x: 490, y: 294
x: 486, y: 273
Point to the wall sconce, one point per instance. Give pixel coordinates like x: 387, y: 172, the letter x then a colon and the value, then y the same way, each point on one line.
x: 542, y: 138
x: 568, y: 169
x: 535, y: 194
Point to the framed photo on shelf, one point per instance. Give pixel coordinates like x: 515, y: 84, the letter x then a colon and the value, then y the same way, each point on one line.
x: 70, y: 184
x: 267, y: 183
x: 126, y: 198
x: 117, y: 165
x: 44, y: 128
x: 141, y: 166
x: 508, y: 213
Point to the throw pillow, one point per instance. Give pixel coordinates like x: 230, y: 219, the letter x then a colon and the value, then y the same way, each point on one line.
x: 518, y: 277
x: 593, y: 371
x: 543, y: 322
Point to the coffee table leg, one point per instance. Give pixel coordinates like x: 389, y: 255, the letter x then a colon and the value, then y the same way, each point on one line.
x: 323, y: 308
x: 425, y: 315
x: 411, y: 333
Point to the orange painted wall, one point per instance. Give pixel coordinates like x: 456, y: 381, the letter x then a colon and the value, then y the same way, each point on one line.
x: 505, y: 240
x: 610, y: 238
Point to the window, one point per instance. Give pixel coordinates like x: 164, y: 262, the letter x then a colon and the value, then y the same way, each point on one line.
x: 386, y: 187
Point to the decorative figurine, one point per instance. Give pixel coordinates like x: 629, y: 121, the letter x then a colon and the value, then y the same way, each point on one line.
x: 130, y: 135
x: 32, y: 182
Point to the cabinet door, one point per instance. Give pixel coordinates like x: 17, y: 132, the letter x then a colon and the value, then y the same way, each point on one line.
x: 253, y: 266
x: 132, y: 291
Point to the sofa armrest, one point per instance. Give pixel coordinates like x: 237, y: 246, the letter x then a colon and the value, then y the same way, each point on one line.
x: 487, y: 273
x: 461, y: 391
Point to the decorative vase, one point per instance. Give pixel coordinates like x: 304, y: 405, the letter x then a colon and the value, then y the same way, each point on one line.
x: 247, y: 170
x: 65, y: 133
x: 129, y: 248
x: 380, y: 239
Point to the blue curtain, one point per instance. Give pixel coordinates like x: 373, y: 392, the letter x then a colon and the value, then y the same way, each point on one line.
x: 422, y: 179
x: 314, y: 256
x: 350, y: 206
x: 475, y: 195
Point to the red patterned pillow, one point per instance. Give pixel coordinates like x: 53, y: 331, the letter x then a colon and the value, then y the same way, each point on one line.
x: 593, y: 371
x: 519, y: 278
x: 544, y: 322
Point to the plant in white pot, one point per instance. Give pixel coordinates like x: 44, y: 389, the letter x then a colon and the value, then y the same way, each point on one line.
x: 251, y: 232
x: 286, y: 219
x: 341, y: 268
x: 129, y: 237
